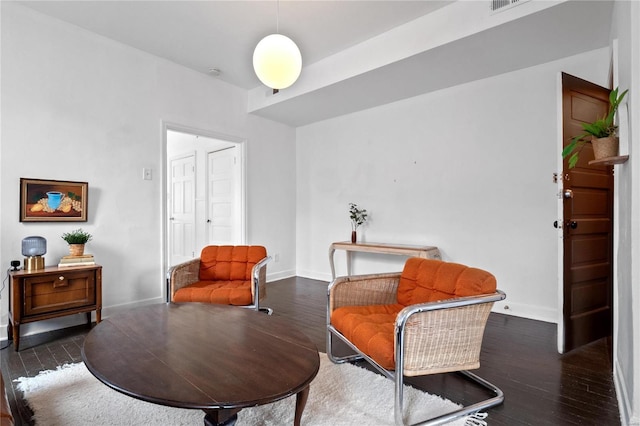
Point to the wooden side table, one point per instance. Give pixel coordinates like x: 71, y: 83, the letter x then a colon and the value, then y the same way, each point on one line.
x: 53, y: 292
x: 426, y: 252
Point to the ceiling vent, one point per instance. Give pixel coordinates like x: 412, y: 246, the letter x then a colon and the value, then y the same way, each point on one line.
x: 499, y: 5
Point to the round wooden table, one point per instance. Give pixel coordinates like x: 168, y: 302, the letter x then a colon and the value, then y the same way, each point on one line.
x: 215, y: 358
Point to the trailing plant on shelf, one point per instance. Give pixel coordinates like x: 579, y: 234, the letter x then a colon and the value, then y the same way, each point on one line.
x: 602, y: 128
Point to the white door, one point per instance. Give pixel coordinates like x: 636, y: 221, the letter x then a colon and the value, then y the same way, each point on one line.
x: 182, y: 209
x: 223, y: 201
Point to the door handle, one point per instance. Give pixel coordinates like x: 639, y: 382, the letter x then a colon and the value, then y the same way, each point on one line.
x: 573, y: 224
x: 567, y: 193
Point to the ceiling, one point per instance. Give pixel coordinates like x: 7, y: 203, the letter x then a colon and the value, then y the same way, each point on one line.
x: 222, y: 34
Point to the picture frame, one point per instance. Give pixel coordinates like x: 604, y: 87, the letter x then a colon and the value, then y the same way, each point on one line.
x: 53, y: 200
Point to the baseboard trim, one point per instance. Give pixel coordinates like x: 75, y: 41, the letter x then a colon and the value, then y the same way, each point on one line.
x: 624, y: 404
x: 525, y: 311
x: 115, y: 309
x: 312, y: 275
x: 280, y: 275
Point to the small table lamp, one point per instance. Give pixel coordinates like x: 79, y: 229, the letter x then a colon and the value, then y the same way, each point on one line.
x: 33, y: 248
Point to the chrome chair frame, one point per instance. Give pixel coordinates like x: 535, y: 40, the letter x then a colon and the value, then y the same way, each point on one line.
x: 401, y: 321
x: 258, y: 274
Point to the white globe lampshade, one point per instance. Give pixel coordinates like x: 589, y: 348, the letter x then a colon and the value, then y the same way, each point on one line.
x: 277, y: 61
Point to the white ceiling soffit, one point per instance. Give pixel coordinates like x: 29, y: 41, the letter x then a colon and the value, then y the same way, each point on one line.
x: 486, y: 44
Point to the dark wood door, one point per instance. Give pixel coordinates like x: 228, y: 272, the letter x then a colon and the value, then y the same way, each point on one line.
x: 587, y: 223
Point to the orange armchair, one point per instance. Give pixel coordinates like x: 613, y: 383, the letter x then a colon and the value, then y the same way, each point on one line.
x: 229, y: 275
x: 428, y: 320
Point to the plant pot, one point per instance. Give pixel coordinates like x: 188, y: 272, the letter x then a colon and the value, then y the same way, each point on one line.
x: 354, y: 236
x: 605, y: 147
x: 76, y: 249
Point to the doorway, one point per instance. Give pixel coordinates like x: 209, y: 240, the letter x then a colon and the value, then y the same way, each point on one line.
x: 205, y: 193
x: 586, y: 226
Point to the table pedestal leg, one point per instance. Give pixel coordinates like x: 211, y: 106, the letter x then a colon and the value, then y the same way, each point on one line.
x: 221, y: 417
x: 301, y: 401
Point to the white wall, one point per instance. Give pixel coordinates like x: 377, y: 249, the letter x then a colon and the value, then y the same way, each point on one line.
x: 626, y: 24
x: 76, y: 106
x: 468, y: 169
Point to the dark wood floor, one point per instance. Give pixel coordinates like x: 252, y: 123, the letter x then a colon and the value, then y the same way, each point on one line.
x: 541, y: 387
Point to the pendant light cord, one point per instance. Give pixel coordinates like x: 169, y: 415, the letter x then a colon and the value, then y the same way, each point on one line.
x: 277, y: 16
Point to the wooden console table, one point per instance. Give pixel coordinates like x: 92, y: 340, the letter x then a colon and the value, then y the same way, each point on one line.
x: 426, y: 252
x: 53, y: 292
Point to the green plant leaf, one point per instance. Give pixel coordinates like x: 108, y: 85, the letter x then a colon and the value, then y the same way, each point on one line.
x: 573, y: 160
x: 613, y: 96
x: 576, y: 144
x: 77, y: 236
x: 599, y: 128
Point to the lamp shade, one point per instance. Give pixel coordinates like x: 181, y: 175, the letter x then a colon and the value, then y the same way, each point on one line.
x: 277, y: 61
x: 34, y: 246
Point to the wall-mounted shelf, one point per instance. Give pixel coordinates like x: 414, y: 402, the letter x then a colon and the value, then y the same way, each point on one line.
x: 610, y: 161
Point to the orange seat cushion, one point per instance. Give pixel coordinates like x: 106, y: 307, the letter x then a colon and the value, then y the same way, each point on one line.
x: 371, y: 328
x: 224, y: 276
x: 222, y: 292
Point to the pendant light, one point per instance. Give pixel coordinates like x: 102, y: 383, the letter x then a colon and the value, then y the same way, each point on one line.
x: 277, y: 60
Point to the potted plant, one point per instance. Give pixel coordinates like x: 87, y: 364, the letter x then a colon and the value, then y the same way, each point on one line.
x: 358, y: 216
x: 603, y: 134
x: 76, y: 240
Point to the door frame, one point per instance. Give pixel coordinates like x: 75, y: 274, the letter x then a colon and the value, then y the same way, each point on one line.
x: 560, y: 212
x: 242, y: 154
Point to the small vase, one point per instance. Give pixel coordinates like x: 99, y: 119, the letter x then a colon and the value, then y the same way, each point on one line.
x: 354, y: 236
x: 76, y: 249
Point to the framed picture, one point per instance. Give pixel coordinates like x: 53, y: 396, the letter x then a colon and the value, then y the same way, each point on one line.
x: 53, y: 201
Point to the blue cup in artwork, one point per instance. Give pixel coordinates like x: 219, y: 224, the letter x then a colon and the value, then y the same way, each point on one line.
x: 54, y: 198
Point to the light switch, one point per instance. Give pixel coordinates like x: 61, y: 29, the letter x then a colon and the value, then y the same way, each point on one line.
x: 146, y: 174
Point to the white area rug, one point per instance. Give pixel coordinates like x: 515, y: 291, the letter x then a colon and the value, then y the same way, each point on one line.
x: 340, y: 395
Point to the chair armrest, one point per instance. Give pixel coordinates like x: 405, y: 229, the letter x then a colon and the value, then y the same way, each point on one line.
x: 358, y: 290
x: 259, y: 280
x: 442, y: 336
x: 182, y: 275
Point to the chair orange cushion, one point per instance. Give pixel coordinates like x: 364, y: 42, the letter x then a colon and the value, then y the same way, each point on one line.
x: 229, y: 263
x: 222, y: 292
x: 429, y: 280
x: 371, y: 328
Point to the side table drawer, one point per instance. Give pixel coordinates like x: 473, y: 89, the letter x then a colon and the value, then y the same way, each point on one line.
x: 57, y: 292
